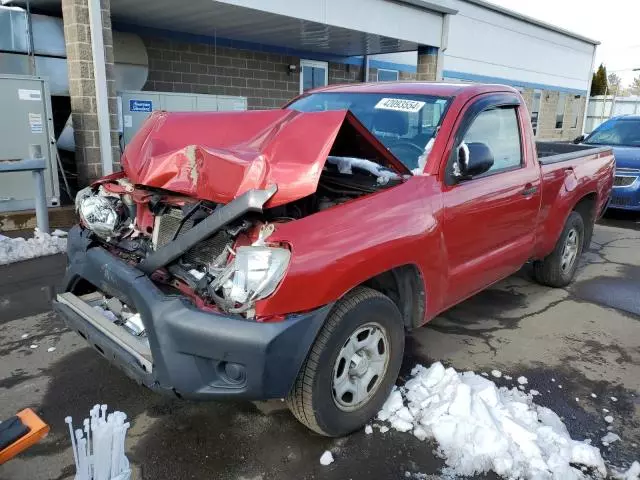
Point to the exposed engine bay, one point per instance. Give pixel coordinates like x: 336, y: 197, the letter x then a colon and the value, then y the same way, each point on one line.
x: 235, y: 265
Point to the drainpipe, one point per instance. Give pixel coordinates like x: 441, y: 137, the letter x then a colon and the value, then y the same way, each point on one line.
x: 100, y: 75
x: 586, y: 101
x: 32, y: 51
x: 444, y: 43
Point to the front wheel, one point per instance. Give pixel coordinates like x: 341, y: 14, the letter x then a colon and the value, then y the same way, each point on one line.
x: 559, y: 267
x: 352, y: 365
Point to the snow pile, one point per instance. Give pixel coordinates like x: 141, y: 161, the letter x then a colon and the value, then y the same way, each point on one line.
x: 346, y: 164
x: 632, y: 474
x: 479, y: 427
x: 16, y: 249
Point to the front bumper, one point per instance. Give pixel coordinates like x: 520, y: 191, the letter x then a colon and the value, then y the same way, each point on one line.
x: 191, y: 353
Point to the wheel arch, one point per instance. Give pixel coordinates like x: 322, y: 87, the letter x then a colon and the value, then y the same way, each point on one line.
x: 554, y: 222
x: 586, y: 207
x: 406, y: 288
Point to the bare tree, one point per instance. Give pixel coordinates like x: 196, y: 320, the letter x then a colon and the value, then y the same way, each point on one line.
x: 615, y: 82
x: 634, y: 89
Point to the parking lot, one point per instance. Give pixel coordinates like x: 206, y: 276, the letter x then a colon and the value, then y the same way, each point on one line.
x: 570, y: 343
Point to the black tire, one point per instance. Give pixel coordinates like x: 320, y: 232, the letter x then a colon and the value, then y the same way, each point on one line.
x: 311, y: 399
x: 549, y: 271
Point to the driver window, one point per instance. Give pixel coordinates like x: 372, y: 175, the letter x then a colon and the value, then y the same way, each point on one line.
x: 498, y: 129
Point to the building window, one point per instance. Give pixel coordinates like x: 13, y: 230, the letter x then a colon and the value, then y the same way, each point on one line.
x: 535, y: 110
x: 574, y: 111
x: 385, y: 75
x: 313, y: 74
x: 562, y: 103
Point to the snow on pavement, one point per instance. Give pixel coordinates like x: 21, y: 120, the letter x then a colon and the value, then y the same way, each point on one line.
x: 16, y: 249
x: 632, y: 474
x: 326, y: 458
x: 480, y: 427
x: 609, y: 438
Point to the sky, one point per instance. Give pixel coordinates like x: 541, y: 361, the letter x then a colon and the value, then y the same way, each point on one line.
x: 615, y: 23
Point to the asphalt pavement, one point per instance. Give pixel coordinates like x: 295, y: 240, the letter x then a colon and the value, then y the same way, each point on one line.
x: 570, y: 343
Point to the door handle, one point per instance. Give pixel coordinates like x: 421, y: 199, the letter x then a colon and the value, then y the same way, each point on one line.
x: 529, y: 190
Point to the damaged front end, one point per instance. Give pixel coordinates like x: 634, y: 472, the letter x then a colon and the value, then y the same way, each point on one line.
x: 210, y: 241
x: 200, y: 249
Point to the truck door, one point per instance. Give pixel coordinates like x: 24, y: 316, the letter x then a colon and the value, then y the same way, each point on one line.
x: 489, y: 220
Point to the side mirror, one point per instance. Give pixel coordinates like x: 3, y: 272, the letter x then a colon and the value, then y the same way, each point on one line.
x: 474, y: 159
x: 579, y: 139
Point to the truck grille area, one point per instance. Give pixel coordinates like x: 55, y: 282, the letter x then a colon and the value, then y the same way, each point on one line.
x: 168, y: 224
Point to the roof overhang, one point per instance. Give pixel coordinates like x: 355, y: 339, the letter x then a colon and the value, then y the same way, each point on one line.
x: 332, y: 27
x: 533, y: 21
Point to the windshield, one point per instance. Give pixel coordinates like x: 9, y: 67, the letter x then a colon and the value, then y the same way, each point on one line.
x: 403, y: 123
x: 622, y: 132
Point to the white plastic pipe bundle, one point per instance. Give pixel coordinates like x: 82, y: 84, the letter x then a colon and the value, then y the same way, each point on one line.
x: 98, y: 449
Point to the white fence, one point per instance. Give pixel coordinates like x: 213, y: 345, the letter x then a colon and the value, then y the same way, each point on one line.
x: 602, y: 108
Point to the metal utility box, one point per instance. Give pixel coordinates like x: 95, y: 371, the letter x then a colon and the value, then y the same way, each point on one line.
x: 137, y: 106
x: 26, y: 131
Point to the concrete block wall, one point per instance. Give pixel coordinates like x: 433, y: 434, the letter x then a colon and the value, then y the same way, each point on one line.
x: 264, y: 78
x: 427, y: 64
x: 341, y: 73
x: 82, y: 90
x: 547, y: 117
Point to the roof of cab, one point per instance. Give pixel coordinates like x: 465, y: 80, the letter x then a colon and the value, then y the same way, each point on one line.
x: 439, y: 89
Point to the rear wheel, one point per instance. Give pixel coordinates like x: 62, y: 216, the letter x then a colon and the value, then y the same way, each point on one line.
x: 352, y: 365
x: 559, y: 267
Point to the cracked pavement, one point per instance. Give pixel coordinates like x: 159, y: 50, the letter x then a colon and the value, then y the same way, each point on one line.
x: 569, y: 343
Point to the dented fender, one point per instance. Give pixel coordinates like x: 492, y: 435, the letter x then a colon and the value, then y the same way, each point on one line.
x: 337, y: 249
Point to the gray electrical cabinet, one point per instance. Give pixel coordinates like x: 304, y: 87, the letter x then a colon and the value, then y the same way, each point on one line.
x: 26, y: 131
x: 135, y: 107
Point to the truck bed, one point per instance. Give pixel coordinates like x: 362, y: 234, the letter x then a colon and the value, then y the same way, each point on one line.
x: 554, y: 152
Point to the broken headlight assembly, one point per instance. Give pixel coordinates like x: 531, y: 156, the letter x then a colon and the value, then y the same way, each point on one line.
x: 253, y: 274
x: 99, y: 213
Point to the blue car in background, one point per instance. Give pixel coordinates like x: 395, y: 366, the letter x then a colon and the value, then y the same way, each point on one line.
x: 623, y: 134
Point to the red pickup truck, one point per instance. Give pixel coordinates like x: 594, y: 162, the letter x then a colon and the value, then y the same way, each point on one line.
x: 285, y: 253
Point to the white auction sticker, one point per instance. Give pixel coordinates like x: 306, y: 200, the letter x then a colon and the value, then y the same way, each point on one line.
x: 33, y: 95
x: 399, y: 105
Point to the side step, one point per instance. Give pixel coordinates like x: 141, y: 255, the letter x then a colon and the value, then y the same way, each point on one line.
x: 140, y: 351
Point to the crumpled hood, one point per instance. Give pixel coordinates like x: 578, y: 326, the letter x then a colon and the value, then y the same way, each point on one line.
x: 627, y: 157
x: 218, y: 156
